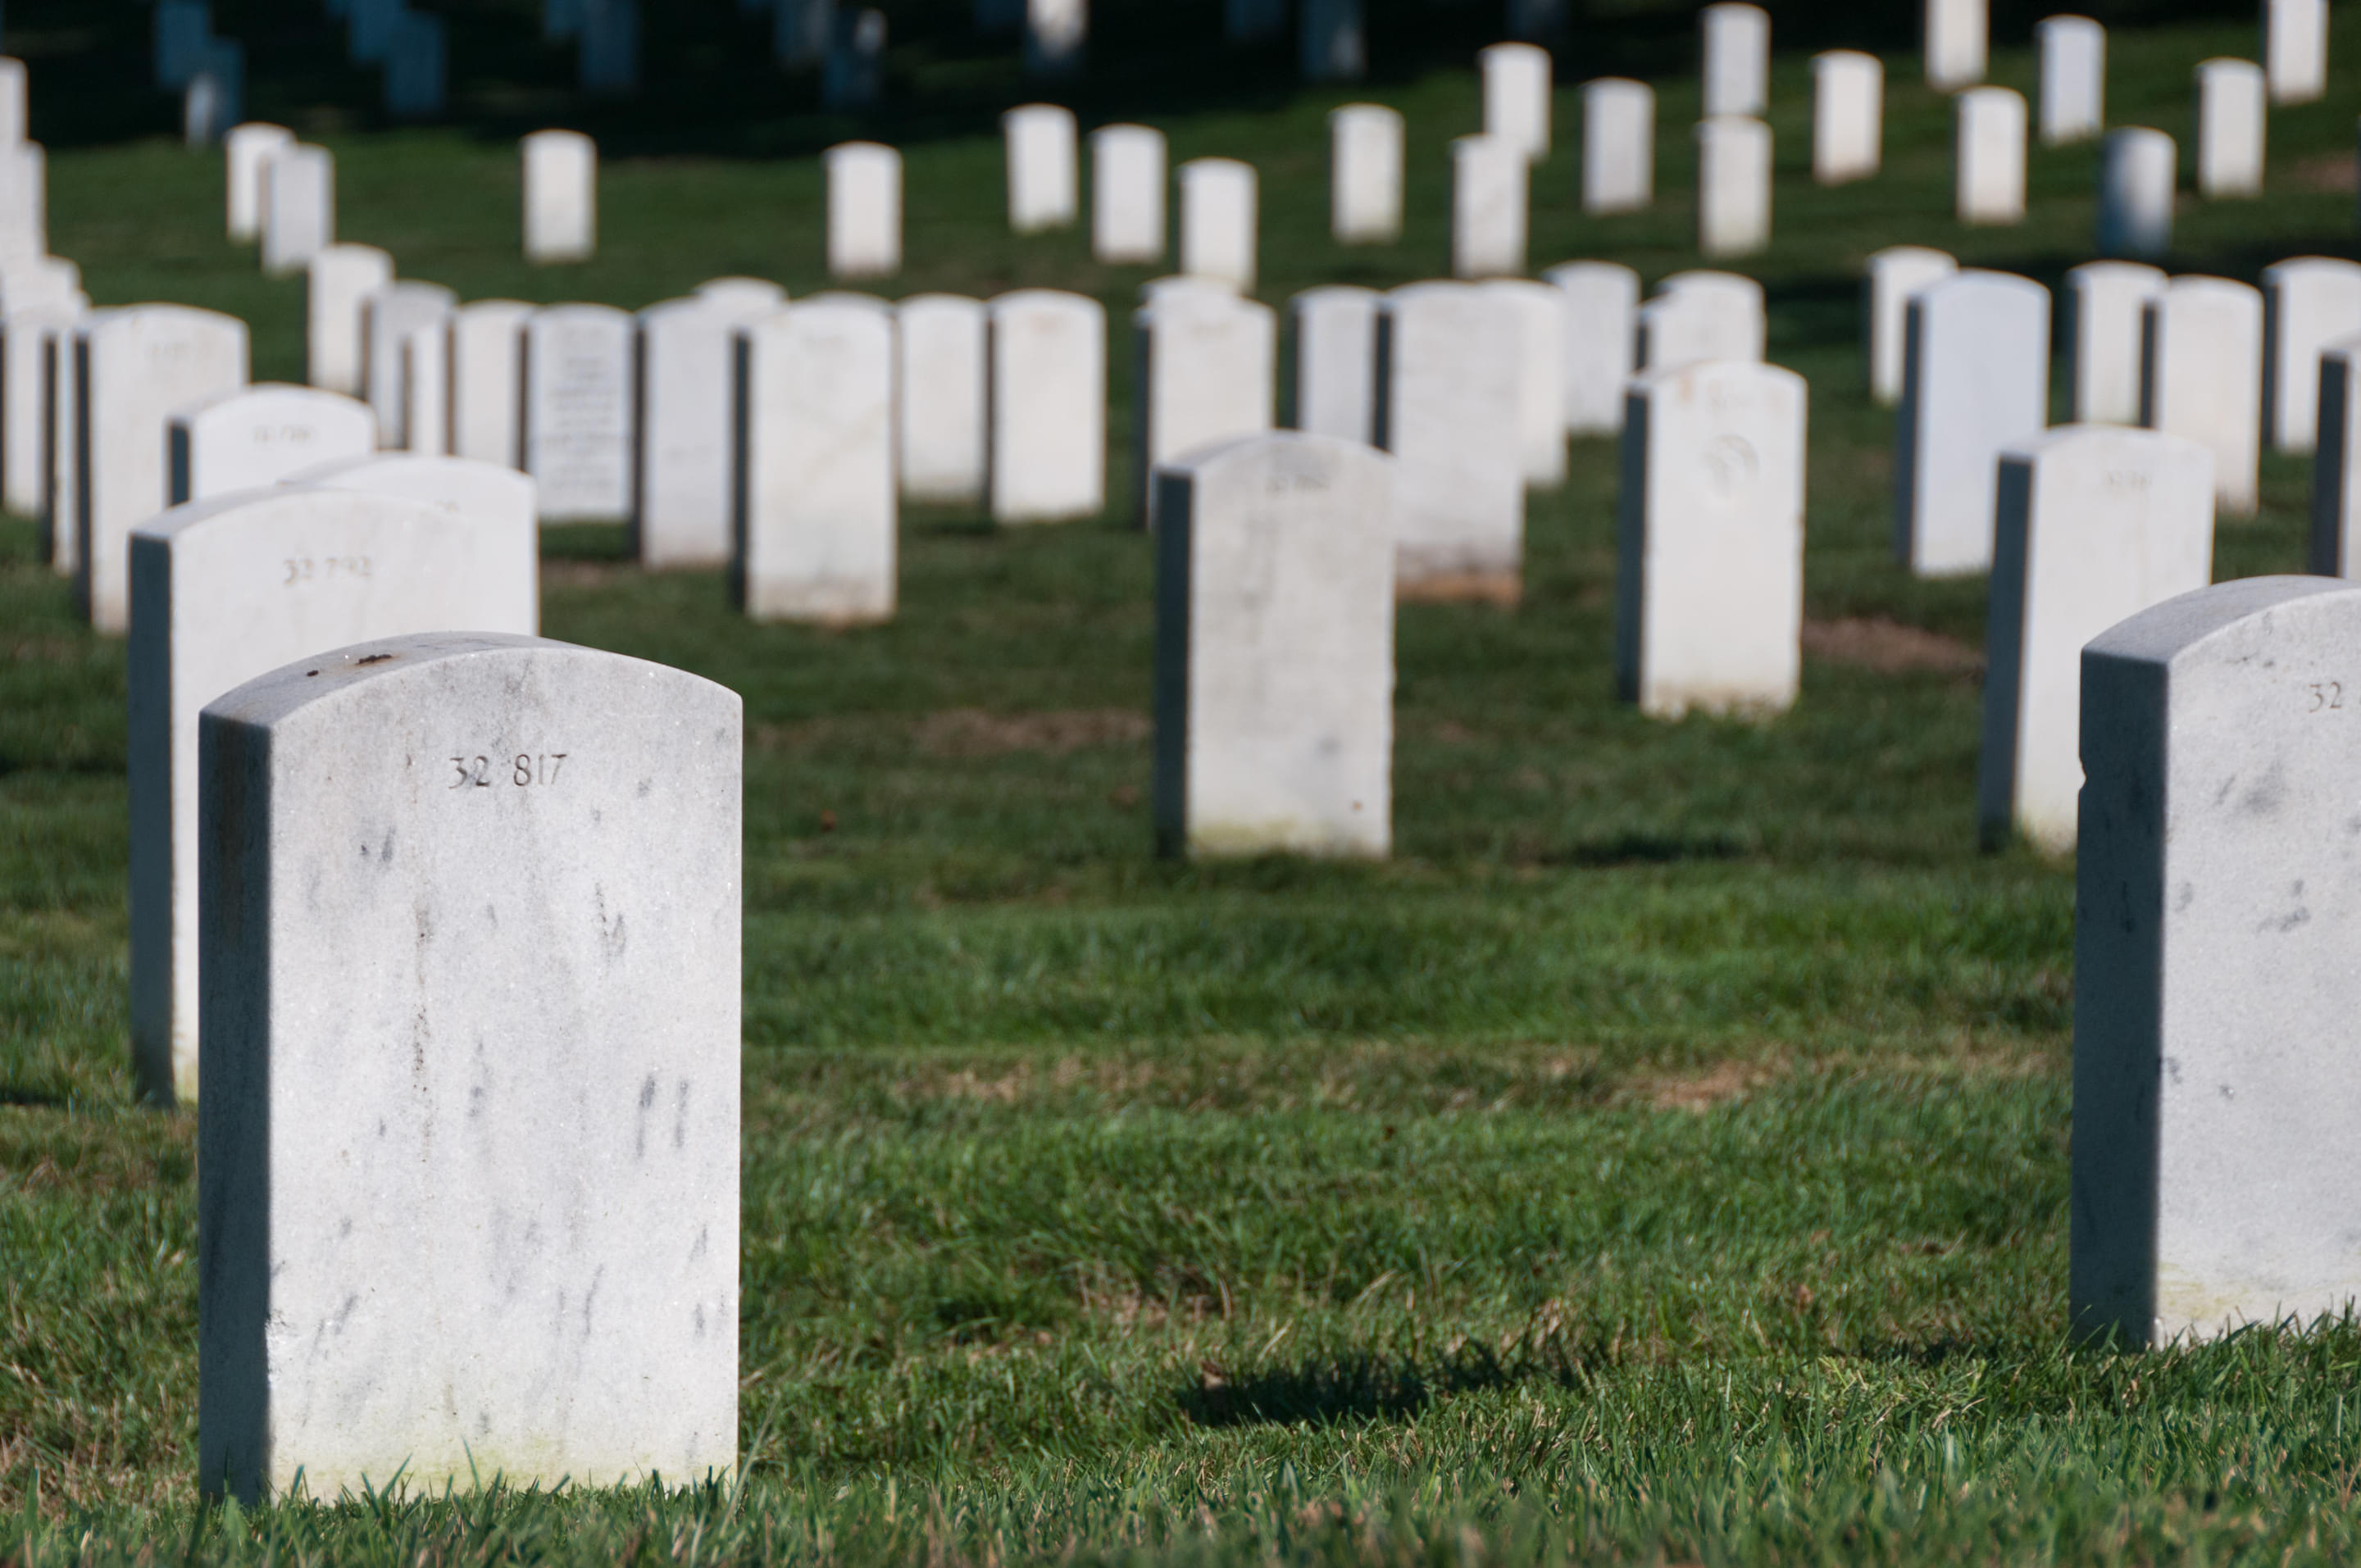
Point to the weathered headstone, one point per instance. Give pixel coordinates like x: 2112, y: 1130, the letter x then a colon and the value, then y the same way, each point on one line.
x: 1205, y: 366
x: 943, y: 397
x: 2095, y: 524
x: 1848, y: 116
x: 1541, y: 377
x: 2074, y: 79
x: 1989, y: 156
x: 1128, y: 194
x: 2309, y: 302
x: 2136, y: 174
x: 260, y: 436
x: 2201, y: 376
x: 1057, y: 34
x: 1334, y: 46
x: 388, y: 1035
x: 1489, y: 200
x: 1699, y: 317
x: 1332, y: 384
x: 561, y: 196
x: 864, y: 210
x: 1736, y: 78
x: 1044, y: 185
x: 487, y: 380
x: 1275, y: 650
x: 244, y: 150
x: 2212, y: 1176
x: 1602, y: 326
x: 1447, y: 395
x: 576, y: 435
x: 1517, y: 96
x: 418, y: 67
x: 135, y: 367
x: 1364, y: 179
x: 1619, y: 145
x: 27, y: 334
x: 1957, y: 38
x: 2230, y: 113
x: 2107, y: 303
x: 2336, y: 464
x: 1733, y: 186
x: 1895, y: 274
x: 1710, y: 549
x: 1047, y: 426
x: 482, y: 492
x: 389, y: 316
x: 2295, y: 49
x: 1975, y: 379
x: 341, y: 278
x: 227, y: 588
x: 816, y: 483
x: 688, y: 358
x: 1218, y: 222
x: 299, y: 207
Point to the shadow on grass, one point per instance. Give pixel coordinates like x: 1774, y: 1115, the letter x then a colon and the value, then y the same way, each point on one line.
x: 1324, y: 1390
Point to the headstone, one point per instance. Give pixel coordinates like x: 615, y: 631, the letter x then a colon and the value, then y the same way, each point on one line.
x: 24, y: 203
x: 2136, y: 175
x: 1541, y: 377
x: 259, y: 435
x: 854, y: 77
x: 1332, y: 382
x: 754, y: 296
x: 31, y: 280
x: 2201, y: 378
x: 1365, y: 181
x: 135, y: 367
x: 2231, y: 111
x: 13, y: 102
x: 2336, y: 464
x: 1218, y: 200
x: 1517, y: 96
x: 2309, y: 302
x: 1128, y: 194
x: 801, y: 30
x: 215, y: 99
x: 1619, y: 146
x: 1047, y: 428
x: 1957, y: 38
x: 1733, y: 186
x: 27, y: 336
x: 388, y: 315
x: 1848, y: 116
x: 2295, y: 49
x: 1205, y: 365
x: 232, y: 587
x: 341, y: 278
x: 1253, y: 21
x: 1602, y: 326
x: 369, y: 27
x: 1990, y: 156
x: 1489, y: 198
x: 687, y: 359
x: 488, y: 381
x: 499, y: 499
x: 576, y: 435
x: 1975, y: 379
x: 816, y: 528
x: 1701, y: 317
x: 2074, y: 79
x: 1736, y: 79
x: 182, y: 28
x: 1448, y: 404
x: 2096, y: 524
x: 1895, y: 274
x: 864, y: 210
x: 1043, y: 184
x: 418, y: 67
x: 1275, y: 650
x: 561, y: 196
x: 1334, y: 47
x: 426, y: 389
x: 1709, y: 548
x: 244, y: 150
x: 1056, y: 32
x: 299, y: 207
x: 2213, y: 1178
x: 523, y: 1008
x: 941, y: 397
x: 2107, y: 303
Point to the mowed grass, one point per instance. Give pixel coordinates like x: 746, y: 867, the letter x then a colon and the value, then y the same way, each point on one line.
x: 1663, y: 1157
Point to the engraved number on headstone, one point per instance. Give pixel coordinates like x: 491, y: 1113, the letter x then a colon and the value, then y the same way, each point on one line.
x: 327, y: 569
x: 525, y: 768
x: 286, y: 434
x: 2325, y: 695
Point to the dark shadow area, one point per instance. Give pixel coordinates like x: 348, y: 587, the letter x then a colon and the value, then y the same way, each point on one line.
x: 31, y: 1099
x: 1328, y: 1389
x: 1646, y: 849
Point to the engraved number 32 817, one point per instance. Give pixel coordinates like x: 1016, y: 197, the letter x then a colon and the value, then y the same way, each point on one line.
x: 523, y: 769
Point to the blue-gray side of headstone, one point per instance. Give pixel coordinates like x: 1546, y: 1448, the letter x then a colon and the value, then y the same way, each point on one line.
x: 856, y: 61
x: 1536, y: 21
x: 370, y: 27
x: 215, y: 99
x: 1334, y: 47
x: 802, y: 30
x: 561, y: 18
x: 610, y: 60
x: 417, y: 69
x: 183, y: 30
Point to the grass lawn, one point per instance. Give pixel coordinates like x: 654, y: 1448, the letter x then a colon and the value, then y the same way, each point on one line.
x: 1663, y: 1157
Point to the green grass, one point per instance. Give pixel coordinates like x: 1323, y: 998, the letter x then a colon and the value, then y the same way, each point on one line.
x: 1663, y: 1157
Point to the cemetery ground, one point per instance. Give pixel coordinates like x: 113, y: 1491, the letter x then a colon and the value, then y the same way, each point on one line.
x: 1662, y: 1156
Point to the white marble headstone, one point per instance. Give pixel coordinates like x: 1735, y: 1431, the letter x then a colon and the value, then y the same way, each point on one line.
x: 2136, y: 174
x: 1365, y: 181
x: 1733, y: 186
x: 2309, y: 302
x: 1218, y: 220
x: 498, y: 497
x: 1056, y: 32
x: 1701, y: 316
x: 1957, y: 38
x: 1334, y: 387
x: 1517, y: 96
x: 2232, y: 109
x: 1447, y: 409
x: 2201, y: 376
x: 1989, y: 156
x: 944, y: 396
x: 341, y: 278
x: 245, y: 149
x: 756, y: 295
x: 1044, y: 183
x: 2074, y: 79
x: 1489, y: 197
x: 1619, y: 145
x: 488, y: 381
x: 687, y: 360
x: 2107, y: 302
x: 577, y: 434
x: 864, y: 210
x: 1128, y: 194
x: 61, y: 444
x: 299, y: 207
x: 426, y: 389
x: 1736, y: 79
x: 390, y: 314
x: 1541, y: 377
x: 1602, y: 326
x: 1895, y: 274
x: 1205, y: 365
x: 2295, y: 49
x: 561, y: 196
x: 260, y: 436
x: 1047, y: 453
x: 1975, y: 379
x: 1848, y: 116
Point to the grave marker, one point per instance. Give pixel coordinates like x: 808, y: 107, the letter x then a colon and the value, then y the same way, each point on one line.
x: 1218, y: 198
x: 1619, y: 146
x: 1956, y: 38
x: 1602, y: 326
x: 2336, y: 464
x: 299, y: 207
x: 1364, y: 181
x: 561, y: 196
x: 486, y: 493
x: 1540, y: 378
x: 1047, y: 433
x: 1128, y: 194
x: 1334, y: 46
x: 1517, y: 96
x: 1895, y: 274
x: 1489, y: 196
x: 244, y: 150
x: 488, y: 381
x: 1733, y: 186
x: 340, y: 277
x: 1043, y: 184
x: 13, y: 97
x: 1204, y: 364
x: 426, y: 389
x: 1699, y: 317
x: 62, y: 446
x: 944, y: 397
x: 855, y: 74
x: 2074, y: 79
x: 2107, y: 301
x: 2230, y: 113
x: 2295, y: 49
x: 259, y: 435
x: 1448, y: 372
x: 576, y: 433
x: 389, y: 316
x: 1990, y: 155
x: 2309, y: 301
x: 864, y: 210
x: 1736, y: 79
x: 1332, y: 386
x: 2201, y: 376
x: 1975, y: 379
x: 1056, y: 34
x: 688, y: 358
x: 1848, y: 117
x: 754, y: 296
x: 2135, y: 188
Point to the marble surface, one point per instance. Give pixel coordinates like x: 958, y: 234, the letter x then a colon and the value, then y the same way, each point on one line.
x: 1448, y: 368
x: 1733, y: 186
x: 1048, y: 456
x: 561, y: 196
x: 2201, y: 376
x: 1988, y: 155
x: 1516, y: 85
x: 25, y: 334
x: 817, y: 540
x: 1957, y: 35
x: 1894, y: 275
x: 1491, y: 202
x: 941, y: 396
x: 1218, y: 218
x: 2106, y: 302
x: 1044, y: 179
x: 260, y: 436
x: 468, y: 1162
x: 1205, y: 364
x: 1128, y: 194
x: 2295, y: 49
x: 1365, y: 178
x: 1602, y: 323
x: 687, y: 359
x: 2335, y: 481
x: 577, y: 437
x: 2232, y: 109
x: 1848, y: 116
x: 1541, y: 377
x: 1975, y: 378
x: 1619, y: 146
x: 299, y: 207
x: 2309, y: 302
x: 2138, y: 174
x: 498, y: 497
x: 1701, y: 316
x: 1334, y: 367
x: 1736, y: 78
x: 487, y: 380
x: 388, y: 315
x: 245, y: 149
x: 864, y: 210
x: 338, y: 278
x: 2073, y: 97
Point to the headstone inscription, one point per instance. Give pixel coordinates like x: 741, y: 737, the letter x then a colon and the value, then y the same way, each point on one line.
x: 1895, y: 274
x: 299, y: 207
x: 1602, y: 324
x: 2096, y: 524
x: 561, y: 196
x: 1517, y: 96
x: 389, y: 315
x: 1205, y: 365
x: 1957, y: 38
x: 1218, y: 220
x: 1848, y: 116
x: 1736, y: 79
x: 2309, y: 302
x: 575, y: 898
x: 2232, y: 109
x: 1975, y: 379
x: 2213, y: 1181
x: 943, y: 398
x: 259, y: 435
x: 1709, y: 551
x: 2074, y: 79
x: 1044, y: 183
x: 1448, y: 375
x: 1047, y: 430
x: 687, y: 357
x: 864, y: 210
x: 135, y: 367
x: 244, y: 150
x: 1128, y: 194
x: 487, y: 380
x: 1733, y: 186
x: 1990, y: 156
x: 1274, y: 650
x: 816, y: 484
x: 2136, y: 173
x: 1541, y: 377
x: 1619, y: 146
x: 1364, y: 181
x: 2295, y: 49
x: 340, y: 277
x: 229, y: 586
x: 2201, y: 376
x: 577, y: 397
x: 2107, y: 302
x: 1489, y: 200
x: 1332, y: 382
